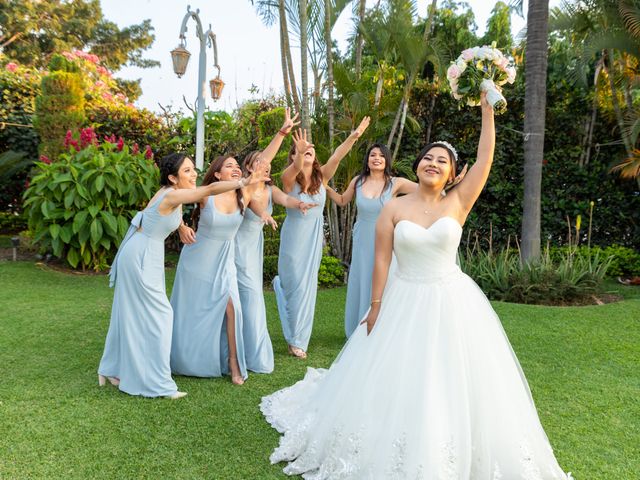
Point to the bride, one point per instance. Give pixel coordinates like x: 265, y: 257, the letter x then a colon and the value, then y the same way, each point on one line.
x: 428, y: 386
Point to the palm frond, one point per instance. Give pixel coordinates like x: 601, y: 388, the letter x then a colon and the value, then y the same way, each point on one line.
x: 630, y: 14
x: 12, y: 162
x: 629, y: 168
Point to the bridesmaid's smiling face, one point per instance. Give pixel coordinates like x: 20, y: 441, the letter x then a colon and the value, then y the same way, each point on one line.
x: 187, y: 175
x: 435, y: 168
x: 376, y: 160
x: 230, y: 170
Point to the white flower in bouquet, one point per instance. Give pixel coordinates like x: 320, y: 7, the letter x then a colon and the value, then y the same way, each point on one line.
x: 481, y: 69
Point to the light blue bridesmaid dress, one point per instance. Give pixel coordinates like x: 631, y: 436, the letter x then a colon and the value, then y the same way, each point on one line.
x: 205, y: 281
x: 362, y: 256
x: 249, y: 260
x: 299, y: 259
x: 138, y: 342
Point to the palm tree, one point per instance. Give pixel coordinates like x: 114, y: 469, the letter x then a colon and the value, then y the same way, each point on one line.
x: 360, y: 38
x: 534, y: 121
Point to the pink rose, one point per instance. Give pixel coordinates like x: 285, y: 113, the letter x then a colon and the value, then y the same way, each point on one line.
x: 467, y: 54
x: 11, y: 66
x: 99, y: 84
x: 93, y: 58
x: 453, y: 72
x: 121, y: 97
x: 107, y: 96
x: 102, y: 71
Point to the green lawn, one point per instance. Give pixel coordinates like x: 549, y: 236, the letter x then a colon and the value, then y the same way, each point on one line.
x: 583, y: 365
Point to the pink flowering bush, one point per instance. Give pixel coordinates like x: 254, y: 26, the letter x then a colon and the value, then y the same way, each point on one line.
x: 80, y: 206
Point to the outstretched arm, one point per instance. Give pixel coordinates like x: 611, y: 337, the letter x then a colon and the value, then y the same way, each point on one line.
x: 288, y: 201
x: 329, y: 168
x: 289, y: 174
x: 273, y: 147
x: 471, y: 186
x: 382, y: 260
x: 343, y: 199
x: 178, y: 197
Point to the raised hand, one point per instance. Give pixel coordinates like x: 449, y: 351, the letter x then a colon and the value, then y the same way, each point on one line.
x: 357, y: 133
x: 289, y: 122
x: 300, y: 141
x: 259, y: 174
x: 460, y: 176
x: 303, y: 206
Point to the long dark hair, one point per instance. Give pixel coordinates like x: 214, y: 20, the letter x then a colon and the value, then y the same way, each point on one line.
x: 365, y: 171
x: 209, y: 178
x: 316, y: 173
x: 249, y: 159
x: 170, y: 165
x: 425, y: 150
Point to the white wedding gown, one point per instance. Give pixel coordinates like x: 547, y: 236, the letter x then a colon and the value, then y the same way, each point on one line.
x: 435, y: 392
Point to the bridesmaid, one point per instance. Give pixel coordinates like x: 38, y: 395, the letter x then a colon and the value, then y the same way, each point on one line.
x: 249, y: 243
x: 136, y: 352
x: 296, y: 284
x: 373, y: 187
x: 207, y: 322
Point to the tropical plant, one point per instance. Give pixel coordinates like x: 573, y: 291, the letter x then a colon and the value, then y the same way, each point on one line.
x: 80, y: 206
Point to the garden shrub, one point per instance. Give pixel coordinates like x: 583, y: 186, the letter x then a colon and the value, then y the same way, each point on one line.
x: 80, y: 206
x: 625, y: 261
x: 60, y: 105
x: 559, y: 279
x: 331, y: 273
x: 11, y: 222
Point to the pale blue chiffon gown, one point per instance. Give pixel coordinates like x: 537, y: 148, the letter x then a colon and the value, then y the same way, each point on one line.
x: 138, y: 342
x: 362, y: 256
x: 298, y: 262
x: 249, y: 263
x: 205, y: 281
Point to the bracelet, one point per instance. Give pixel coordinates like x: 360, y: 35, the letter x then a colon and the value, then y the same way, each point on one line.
x: 376, y: 301
x: 284, y: 134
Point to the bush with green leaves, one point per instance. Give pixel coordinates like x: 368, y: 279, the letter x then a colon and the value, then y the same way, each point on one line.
x: 559, y: 279
x: 625, y: 261
x: 80, y: 207
x: 331, y: 273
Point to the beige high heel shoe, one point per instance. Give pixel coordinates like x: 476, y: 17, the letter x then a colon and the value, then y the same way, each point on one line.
x: 102, y: 380
x: 176, y: 396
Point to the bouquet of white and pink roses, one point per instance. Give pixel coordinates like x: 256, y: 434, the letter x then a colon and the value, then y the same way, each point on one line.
x: 481, y: 69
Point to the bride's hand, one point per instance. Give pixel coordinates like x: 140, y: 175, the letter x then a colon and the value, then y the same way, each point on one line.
x: 371, y: 318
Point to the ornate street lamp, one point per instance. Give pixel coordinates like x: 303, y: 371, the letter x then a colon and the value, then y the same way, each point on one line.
x: 180, y: 57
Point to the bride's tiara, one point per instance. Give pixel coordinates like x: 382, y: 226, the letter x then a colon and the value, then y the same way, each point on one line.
x: 450, y: 147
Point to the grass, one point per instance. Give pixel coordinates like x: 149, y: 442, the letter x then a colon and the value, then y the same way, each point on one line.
x: 583, y: 365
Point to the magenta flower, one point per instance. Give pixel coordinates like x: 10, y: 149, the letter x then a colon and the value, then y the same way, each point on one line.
x: 148, y: 153
x: 120, y: 144
x: 136, y: 149
x: 68, y: 138
x: 45, y: 159
x: 88, y: 137
x: 11, y: 66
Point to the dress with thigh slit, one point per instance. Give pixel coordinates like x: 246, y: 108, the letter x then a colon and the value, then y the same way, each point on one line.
x: 205, y: 281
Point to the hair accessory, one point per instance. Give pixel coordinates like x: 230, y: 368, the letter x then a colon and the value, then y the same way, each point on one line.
x: 450, y: 147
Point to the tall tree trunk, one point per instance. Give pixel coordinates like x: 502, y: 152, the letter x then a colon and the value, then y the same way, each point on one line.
x: 402, y: 122
x: 585, y: 156
x: 359, y: 38
x: 534, y: 121
x: 396, y: 122
x: 616, y: 101
x: 379, y: 85
x: 292, y: 77
x: 332, y: 211
x: 304, y: 114
x: 283, y: 56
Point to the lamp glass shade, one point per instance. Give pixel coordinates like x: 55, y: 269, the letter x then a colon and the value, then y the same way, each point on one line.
x: 180, y: 57
x: 216, y: 86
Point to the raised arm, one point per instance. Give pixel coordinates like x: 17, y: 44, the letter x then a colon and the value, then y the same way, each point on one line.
x: 403, y: 186
x: 291, y: 172
x: 471, y: 186
x: 178, y: 197
x: 343, y: 199
x: 288, y: 201
x: 329, y: 168
x: 275, y: 144
x: 382, y: 260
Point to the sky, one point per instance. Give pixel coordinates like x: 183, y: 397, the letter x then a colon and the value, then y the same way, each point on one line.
x: 248, y: 52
